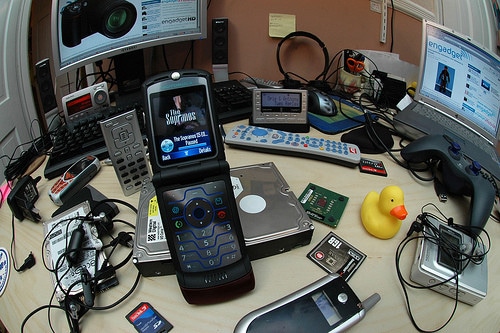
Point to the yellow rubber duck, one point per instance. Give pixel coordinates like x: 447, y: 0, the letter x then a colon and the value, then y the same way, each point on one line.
x: 382, y: 214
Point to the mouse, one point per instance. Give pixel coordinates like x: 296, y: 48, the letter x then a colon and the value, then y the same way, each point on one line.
x: 320, y: 103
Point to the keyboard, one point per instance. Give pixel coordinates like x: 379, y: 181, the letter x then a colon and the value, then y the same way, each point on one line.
x: 84, y: 138
x: 232, y: 101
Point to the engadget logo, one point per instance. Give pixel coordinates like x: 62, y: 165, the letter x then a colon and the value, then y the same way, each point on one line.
x: 455, y: 54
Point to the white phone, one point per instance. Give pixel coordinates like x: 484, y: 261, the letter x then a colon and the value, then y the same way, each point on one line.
x: 327, y: 305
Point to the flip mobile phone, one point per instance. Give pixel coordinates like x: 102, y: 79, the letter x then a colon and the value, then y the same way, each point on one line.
x: 193, y: 186
x: 326, y: 305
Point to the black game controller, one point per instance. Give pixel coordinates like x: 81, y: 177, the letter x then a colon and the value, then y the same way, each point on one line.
x: 460, y: 176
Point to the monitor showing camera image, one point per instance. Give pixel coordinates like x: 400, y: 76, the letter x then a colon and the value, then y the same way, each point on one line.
x: 182, y: 125
x: 84, y: 31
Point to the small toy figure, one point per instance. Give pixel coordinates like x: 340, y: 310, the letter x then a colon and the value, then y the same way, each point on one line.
x: 382, y: 214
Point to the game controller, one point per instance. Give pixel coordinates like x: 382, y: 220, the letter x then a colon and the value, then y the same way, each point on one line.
x: 459, y: 175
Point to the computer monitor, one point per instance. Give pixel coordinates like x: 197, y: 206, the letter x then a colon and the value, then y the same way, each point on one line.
x: 85, y: 31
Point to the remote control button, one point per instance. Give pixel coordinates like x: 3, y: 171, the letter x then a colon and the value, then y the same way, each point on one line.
x: 259, y: 132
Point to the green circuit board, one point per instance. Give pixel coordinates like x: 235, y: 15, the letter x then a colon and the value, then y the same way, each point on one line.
x: 323, y: 205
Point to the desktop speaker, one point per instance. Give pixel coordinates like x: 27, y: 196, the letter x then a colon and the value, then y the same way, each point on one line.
x: 129, y: 71
x: 45, y: 87
x: 220, y: 41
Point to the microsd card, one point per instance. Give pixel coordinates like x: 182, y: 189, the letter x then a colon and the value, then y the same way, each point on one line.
x: 323, y: 205
x: 374, y: 167
x: 147, y: 320
x: 335, y: 255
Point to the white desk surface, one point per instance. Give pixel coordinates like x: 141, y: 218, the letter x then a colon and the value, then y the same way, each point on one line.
x: 275, y: 276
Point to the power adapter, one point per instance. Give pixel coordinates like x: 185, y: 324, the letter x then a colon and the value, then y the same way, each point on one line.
x: 22, y: 198
x: 393, y: 89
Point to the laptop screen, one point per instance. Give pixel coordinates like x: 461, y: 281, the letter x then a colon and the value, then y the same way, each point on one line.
x: 461, y: 79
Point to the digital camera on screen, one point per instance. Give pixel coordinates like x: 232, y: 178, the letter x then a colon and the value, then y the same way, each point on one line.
x: 82, y: 18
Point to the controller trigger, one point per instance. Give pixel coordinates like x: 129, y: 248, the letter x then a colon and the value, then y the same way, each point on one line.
x: 447, y: 138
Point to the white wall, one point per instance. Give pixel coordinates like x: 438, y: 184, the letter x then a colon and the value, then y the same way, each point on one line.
x: 474, y: 18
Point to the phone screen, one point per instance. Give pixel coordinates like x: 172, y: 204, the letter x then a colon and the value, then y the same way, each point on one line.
x: 182, y: 125
x: 317, y: 311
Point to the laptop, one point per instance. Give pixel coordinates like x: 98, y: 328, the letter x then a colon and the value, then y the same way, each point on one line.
x: 458, y: 94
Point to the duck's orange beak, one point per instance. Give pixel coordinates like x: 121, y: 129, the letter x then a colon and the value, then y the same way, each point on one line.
x: 399, y: 212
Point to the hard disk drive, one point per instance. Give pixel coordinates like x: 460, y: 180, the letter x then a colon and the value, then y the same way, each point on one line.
x: 272, y: 218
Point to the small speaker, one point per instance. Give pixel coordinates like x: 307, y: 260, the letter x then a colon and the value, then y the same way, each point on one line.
x: 129, y: 71
x: 220, y: 41
x: 45, y: 86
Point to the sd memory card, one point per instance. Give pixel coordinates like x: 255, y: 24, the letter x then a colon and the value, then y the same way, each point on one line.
x: 147, y: 320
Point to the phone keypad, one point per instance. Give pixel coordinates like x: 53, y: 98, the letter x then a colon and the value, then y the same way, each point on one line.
x: 201, y: 221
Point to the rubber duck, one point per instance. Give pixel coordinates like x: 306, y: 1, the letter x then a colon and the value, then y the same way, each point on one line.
x: 382, y: 214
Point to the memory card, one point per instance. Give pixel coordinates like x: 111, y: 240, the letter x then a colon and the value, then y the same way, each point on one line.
x: 335, y: 255
x: 374, y: 167
x: 147, y: 320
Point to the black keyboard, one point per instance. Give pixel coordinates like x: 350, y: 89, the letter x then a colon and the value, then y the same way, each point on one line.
x: 70, y: 144
x: 233, y: 101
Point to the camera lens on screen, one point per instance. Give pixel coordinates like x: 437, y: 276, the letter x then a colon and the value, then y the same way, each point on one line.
x: 82, y: 18
x: 117, y: 18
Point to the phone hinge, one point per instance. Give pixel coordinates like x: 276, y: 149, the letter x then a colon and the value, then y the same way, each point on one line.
x: 190, y: 173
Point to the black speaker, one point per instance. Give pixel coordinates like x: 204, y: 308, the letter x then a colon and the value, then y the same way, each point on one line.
x: 129, y: 71
x: 45, y: 86
x: 220, y: 41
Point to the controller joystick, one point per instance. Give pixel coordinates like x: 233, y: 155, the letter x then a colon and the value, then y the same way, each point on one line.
x: 454, y: 150
x: 475, y: 168
x: 460, y: 176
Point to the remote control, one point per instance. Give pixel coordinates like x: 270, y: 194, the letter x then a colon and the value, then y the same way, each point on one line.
x: 262, y: 83
x: 126, y: 150
x: 286, y: 143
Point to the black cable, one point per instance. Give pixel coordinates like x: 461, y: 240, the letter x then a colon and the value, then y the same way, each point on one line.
x: 30, y: 259
x: 403, y: 282
x: 124, y: 203
x: 123, y: 238
x: 165, y: 59
x: 495, y: 218
x: 17, y: 166
x: 34, y: 312
x: 392, y: 26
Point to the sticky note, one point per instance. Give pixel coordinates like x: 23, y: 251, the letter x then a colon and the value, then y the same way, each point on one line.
x: 281, y: 25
